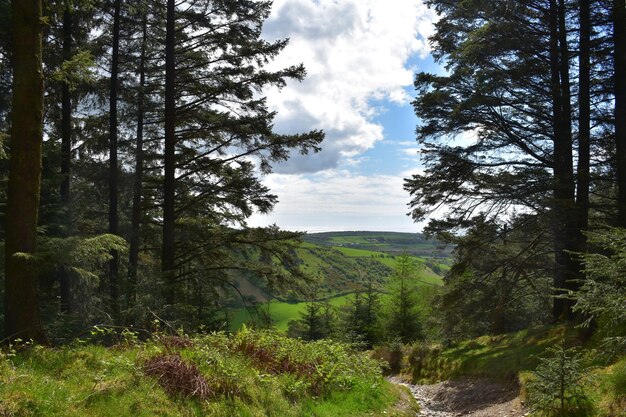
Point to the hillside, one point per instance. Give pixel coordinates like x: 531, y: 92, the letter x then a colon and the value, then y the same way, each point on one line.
x: 247, y: 374
x: 343, y: 262
x: 512, y: 359
x: 388, y: 242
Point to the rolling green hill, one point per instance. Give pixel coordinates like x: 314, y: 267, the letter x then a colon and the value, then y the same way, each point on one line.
x: 342, y: 263
x: 388, y: 242
x: 340, y: 268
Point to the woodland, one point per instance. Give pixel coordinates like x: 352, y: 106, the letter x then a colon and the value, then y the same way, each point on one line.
x: 134, y: 141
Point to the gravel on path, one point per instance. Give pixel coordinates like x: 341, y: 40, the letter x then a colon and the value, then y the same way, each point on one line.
x: 472, y: 397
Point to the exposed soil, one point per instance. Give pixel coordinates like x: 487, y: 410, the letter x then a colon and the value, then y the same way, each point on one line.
x: 475, y: 397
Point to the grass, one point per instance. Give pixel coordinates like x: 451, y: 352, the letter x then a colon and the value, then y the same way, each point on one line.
x: 281, y: 312
x: 513, y: 357
x: 92, y: 380
x: 500, y: 357
x: 426, y: 274
x: 359, y: 403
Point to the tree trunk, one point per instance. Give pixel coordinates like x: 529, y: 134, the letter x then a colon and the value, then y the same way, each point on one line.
x: 169, y: 182
x: 564, y: 218
x: 21, y: 314
x: 619, y: 41
x: 584, y: 123
x: 135, y: 233
x: 113, y: 168
x: 66, y: 159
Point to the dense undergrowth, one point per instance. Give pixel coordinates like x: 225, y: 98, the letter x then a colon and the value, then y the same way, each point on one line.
x: 516, y: 357
x: 247, y: 374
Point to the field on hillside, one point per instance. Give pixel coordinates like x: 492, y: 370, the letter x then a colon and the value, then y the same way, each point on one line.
x: 280, y: 312
x: 338, y: 268
x: 425, y: 274
x: 389, y: 242
x: 341, y: 263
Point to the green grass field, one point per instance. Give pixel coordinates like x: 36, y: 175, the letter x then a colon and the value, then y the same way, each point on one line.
x: 280, y: 312
x: 425, y: 274
x: 390, y: 242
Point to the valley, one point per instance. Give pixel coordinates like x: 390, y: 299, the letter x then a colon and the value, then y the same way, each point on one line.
x: 339, y: 265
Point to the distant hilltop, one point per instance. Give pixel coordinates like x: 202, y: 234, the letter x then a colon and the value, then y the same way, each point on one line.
x: 389, y: 242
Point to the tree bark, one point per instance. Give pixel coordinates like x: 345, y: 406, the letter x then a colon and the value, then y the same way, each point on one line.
x: 21, y: 315
x: 169, y: 182
x: 584, y: 121
x: 66, y: 159
x: 133, y: 256
x: 564, y: 215
x: 619, y: 59
x: 113, y: 164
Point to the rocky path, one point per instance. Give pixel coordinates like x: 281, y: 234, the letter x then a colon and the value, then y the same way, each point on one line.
x: 466, y: 397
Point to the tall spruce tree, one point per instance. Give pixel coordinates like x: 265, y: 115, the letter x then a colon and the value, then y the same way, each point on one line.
x: 21, y: 306
x: 618, y: 17
x: 218, y: 130
x: 113, y: 160
x: 508, y: 94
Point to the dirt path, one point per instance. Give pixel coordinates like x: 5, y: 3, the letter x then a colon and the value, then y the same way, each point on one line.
x: 466, y: 397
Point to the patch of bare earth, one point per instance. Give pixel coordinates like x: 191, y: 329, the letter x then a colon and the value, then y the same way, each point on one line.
x: 475, y: 397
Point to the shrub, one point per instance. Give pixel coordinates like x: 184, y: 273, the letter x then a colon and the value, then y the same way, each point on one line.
x: 602, y: 296
x: 555, y: 388
x: 323, y: 366
x: 178, y: 377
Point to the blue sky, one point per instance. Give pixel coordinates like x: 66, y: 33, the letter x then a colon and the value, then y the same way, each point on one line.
x: 361, y: 56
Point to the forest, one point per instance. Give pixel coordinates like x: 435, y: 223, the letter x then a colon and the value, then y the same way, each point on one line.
x: 134, y: 142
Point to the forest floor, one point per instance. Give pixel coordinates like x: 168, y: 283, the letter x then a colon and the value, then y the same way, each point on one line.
x: 475, y: 397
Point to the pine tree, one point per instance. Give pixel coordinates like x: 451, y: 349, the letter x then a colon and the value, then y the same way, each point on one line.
x: 21, y: 305
x: 215, y: 123
x: 401, y: 316
x: 519, y: 119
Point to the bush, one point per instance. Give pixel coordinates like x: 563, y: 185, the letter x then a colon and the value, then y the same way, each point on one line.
x: 178, y: 377
x: 555, y: 388
x: 602, y: 296
x: 324, y: 366
x: 391, y: 355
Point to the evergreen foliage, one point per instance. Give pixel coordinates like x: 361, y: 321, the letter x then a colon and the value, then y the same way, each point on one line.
x: 502, y: 129
x: 223, y: 142
x: 602, y: 296
x: 498, y: 282
x: 556, y: 387
x: 401, y: 317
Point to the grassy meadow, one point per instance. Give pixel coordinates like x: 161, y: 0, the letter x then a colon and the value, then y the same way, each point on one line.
x: 250, y: 374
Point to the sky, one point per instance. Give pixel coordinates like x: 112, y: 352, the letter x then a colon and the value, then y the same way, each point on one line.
x: 361, y: 57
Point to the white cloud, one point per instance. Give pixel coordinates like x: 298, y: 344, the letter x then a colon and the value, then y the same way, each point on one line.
x: 414, y: 152
x: 338, y: 200
x: 355, y: 51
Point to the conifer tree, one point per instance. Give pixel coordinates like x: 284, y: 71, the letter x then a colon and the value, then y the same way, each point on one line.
x: 22, y: 317
x: 509, y: 93
x: 218, y: 130
x: 401, y: 317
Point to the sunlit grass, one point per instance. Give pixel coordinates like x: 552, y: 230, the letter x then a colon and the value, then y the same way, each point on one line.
x: 89, y: 380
